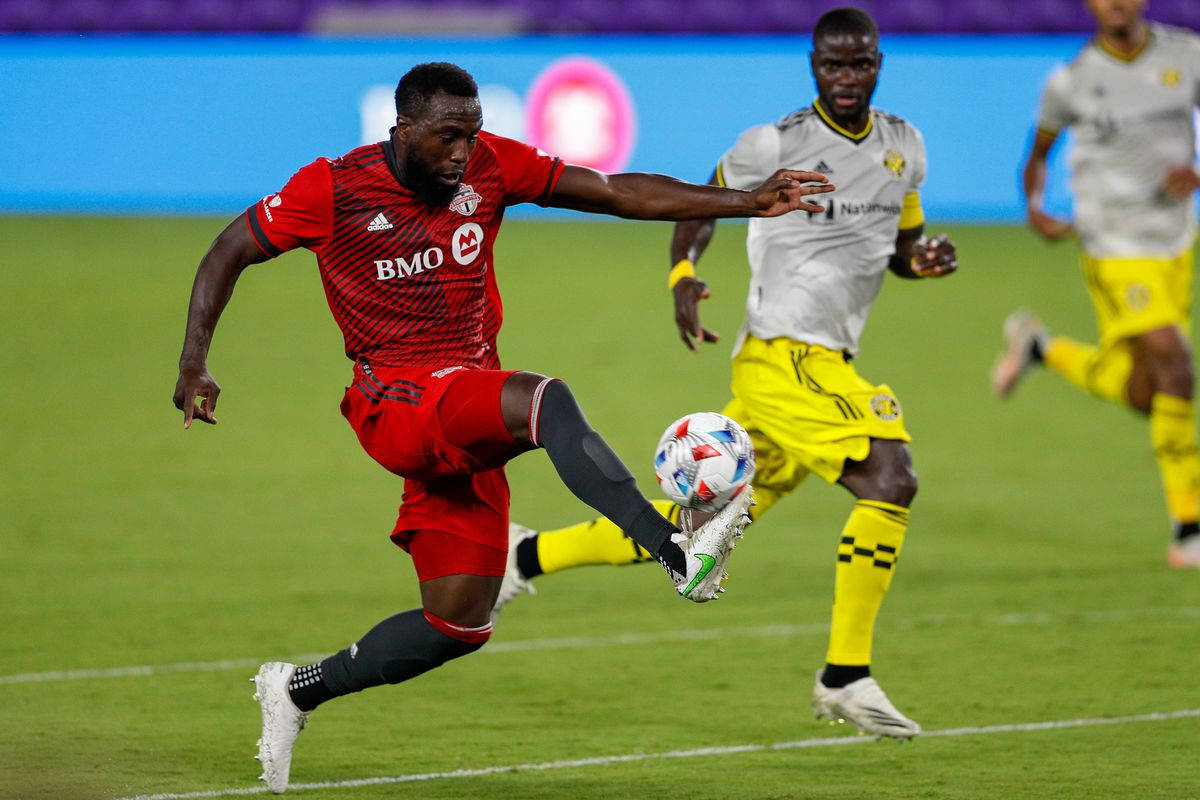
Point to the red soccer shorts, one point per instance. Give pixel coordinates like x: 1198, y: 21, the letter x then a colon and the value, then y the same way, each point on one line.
x: 442, y: 430
x: 436, y: 554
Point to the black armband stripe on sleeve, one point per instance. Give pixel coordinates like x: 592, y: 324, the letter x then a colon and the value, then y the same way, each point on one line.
x: 544, y: 197
x: 260, y: 237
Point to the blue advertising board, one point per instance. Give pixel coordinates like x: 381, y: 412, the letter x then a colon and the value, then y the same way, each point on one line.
x: 183, y: 125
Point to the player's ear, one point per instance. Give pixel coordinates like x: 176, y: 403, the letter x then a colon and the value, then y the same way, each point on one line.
x: 403, y: 127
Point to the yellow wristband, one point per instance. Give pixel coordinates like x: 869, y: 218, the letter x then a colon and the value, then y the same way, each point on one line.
x: 684, y: 269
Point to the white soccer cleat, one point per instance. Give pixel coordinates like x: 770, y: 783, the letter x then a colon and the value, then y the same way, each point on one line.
x: 864, y: 704
x: 281, y: 723
x: 1184, y: 553
x: 707, y: 550
x: 1021, y: 330
x: 514, y: 582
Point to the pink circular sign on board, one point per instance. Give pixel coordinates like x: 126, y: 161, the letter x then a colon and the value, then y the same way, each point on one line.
x: 580, y: 111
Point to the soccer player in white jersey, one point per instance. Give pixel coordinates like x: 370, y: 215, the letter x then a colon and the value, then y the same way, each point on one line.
x: 813, y: 281
x: 1129, y: 97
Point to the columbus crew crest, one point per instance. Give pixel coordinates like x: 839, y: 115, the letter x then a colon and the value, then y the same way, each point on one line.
x: 465, y: 201
x: 885, y: 407
x: 1137, y: 296
x: 894, y: 163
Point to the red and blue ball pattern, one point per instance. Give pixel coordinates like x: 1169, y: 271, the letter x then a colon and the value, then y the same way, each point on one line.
x: 704, y: 460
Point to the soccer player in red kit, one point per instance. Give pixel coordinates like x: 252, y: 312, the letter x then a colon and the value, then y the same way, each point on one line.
x: 403, y: 232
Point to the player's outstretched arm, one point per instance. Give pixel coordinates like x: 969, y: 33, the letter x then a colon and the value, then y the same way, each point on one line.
x: 231, y: 252
x: 640, y: 195
x: 688, y: 242
x: 918, y: 257
x: 1033, y: 180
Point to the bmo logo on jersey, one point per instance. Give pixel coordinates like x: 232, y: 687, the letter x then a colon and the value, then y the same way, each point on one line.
x: 466, y: 243
x: 418, y: 262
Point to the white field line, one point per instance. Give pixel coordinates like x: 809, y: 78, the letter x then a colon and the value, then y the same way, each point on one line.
x: 686, y: 635
x: 800, y: 744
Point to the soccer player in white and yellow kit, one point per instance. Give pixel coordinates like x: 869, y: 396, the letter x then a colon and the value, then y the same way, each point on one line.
x: 813, y: 281
x: 1129, y: 97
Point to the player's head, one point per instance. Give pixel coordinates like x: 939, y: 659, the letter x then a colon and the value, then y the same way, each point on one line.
x: 1117, y: 16
x: 845, y: 62
x: 437, y: 121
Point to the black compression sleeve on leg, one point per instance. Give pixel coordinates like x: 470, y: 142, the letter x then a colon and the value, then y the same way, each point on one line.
x: 399, y: 648
x: 592, y: 471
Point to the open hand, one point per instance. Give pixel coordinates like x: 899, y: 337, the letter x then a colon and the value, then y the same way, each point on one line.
x: 785, y: 191
x: 688, y: 293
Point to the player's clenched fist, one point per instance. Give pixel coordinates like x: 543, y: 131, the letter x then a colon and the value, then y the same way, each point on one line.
x: 1050, y: 228
x: 934, y: 258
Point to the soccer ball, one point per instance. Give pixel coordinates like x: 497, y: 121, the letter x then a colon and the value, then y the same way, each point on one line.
x: 704, y: 460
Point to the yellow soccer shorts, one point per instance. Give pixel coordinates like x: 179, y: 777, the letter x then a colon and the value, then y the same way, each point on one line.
x: 1135, y: 295
x: 807, y: 410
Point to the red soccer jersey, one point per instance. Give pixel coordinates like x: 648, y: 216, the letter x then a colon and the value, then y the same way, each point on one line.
x: 409, y: 284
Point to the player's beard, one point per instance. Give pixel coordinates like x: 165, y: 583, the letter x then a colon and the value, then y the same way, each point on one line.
x: 423, y: 181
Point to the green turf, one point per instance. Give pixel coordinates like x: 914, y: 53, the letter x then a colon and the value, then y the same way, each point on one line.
x: 1032, y: 588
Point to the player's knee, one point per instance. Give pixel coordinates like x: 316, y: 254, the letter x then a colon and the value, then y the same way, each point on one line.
x: 1168, y: 360
x: 899, y: 485
x: 459, y: 640
x: 519, y: 402
x: 1173, y: 373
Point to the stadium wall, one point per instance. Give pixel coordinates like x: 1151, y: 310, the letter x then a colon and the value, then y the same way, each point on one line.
x: 182, y: 124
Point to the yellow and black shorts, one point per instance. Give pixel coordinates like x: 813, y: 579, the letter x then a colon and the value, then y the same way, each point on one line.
x: 1135, y: 295
x: 807, y: 410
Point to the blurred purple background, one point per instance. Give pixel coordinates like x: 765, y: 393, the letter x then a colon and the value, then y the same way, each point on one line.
x: 551, y: 16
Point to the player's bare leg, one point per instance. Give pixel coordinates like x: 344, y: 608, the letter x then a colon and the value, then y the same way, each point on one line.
x: 1161, y: 385
x: 885, y: 484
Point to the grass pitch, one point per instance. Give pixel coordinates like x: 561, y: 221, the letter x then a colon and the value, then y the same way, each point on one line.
x: 147, y: 570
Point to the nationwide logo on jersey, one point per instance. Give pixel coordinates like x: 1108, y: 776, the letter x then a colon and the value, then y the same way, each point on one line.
x: 1171, y: 77
x: 466, y: 200
x: 823, y: 168
x: 380, y: 223
x: 894, y: 163
x: 885, y: 407
x: 466, y: 242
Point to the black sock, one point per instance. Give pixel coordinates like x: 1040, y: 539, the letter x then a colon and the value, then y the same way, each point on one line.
x: 594, y: 474
x: 1185, y: 529
x: 1037, y: 349
x: 307, y: 689
x: 835, y: 676
x: 527, y: 558
x: 399, y: 648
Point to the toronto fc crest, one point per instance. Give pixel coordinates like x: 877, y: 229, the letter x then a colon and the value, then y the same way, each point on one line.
x: 465, y: 201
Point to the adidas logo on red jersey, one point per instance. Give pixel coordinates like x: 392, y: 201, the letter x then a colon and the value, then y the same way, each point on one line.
x: 380, y: 223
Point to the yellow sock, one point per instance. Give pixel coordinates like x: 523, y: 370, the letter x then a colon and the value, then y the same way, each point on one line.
x: 1173, y: 434
x: 597, y: 541
x: 1103, y: 371
x: 866, y: 559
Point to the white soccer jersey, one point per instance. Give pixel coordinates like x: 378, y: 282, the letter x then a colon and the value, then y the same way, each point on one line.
x: 1132, y: 120
x: 814, y: 277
